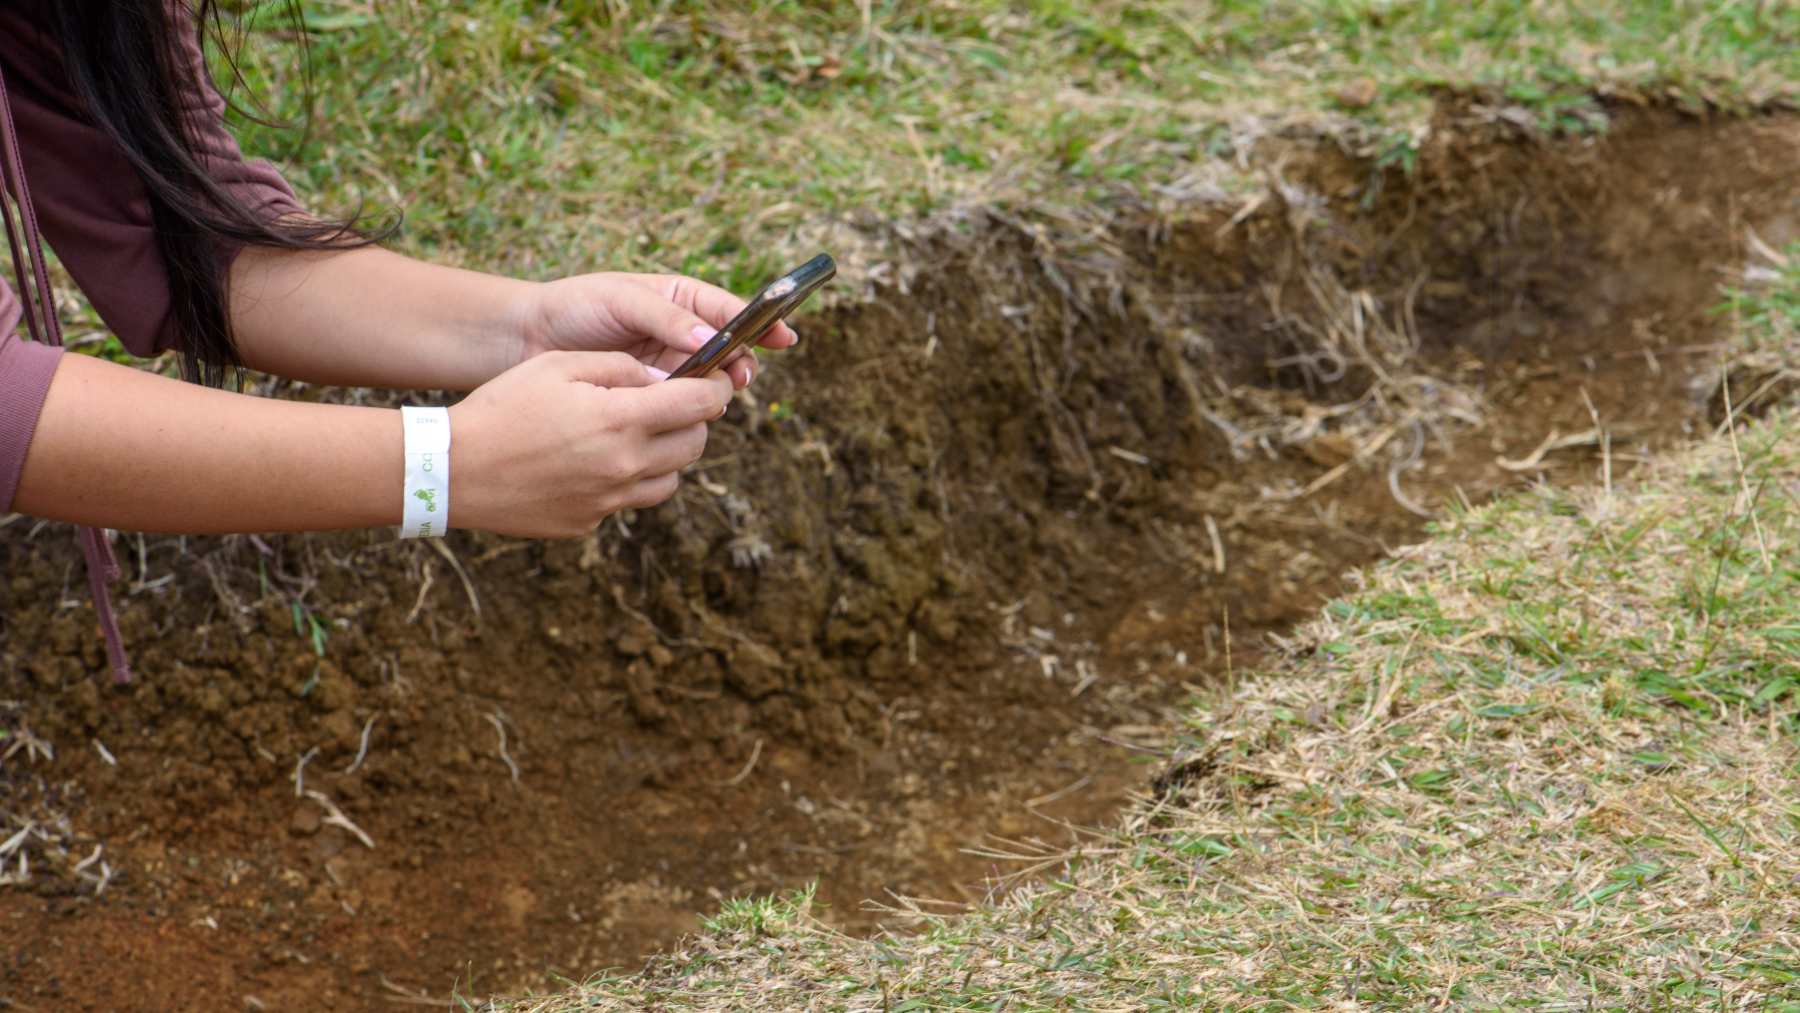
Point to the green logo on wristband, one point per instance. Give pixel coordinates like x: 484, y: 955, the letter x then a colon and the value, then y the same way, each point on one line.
x: 430, y: 498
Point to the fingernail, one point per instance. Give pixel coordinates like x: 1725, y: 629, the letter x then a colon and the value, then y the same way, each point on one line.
x: 657, y: 374
x: 703, y: 333
x: 722, y: 409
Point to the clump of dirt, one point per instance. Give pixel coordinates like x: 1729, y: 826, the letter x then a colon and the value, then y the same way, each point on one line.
x: 936, y: 579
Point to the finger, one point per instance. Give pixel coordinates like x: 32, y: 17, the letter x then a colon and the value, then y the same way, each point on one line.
x: 650, y: 491
x: 710, y: 302
x: 742, y: 369
x: 602, y: 369
x: 674, y: 450
x: 666, y: 359
x: 674, y: 404
x: 642, y: 310
x: 713, y: 304
x: 669, y: 359
x: 779, y: 336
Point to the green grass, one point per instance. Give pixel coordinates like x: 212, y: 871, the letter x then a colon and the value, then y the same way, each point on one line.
x: 543, y: 138
x: 728, y: 140
x: 1546, y: 760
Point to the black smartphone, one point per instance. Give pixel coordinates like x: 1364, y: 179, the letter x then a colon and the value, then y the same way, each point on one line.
x: 770, y: 306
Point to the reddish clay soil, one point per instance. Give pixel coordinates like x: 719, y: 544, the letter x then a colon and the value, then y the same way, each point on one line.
x: 937, y: 586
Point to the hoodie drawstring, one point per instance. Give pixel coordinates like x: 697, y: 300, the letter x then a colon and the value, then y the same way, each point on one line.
x: 41, y: 320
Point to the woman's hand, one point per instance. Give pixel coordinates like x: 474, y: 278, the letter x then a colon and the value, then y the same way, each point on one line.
x: 657, y: 319
x: 552, y: 446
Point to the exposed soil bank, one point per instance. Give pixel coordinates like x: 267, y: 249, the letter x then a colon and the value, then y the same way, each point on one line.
x: 972, y: 537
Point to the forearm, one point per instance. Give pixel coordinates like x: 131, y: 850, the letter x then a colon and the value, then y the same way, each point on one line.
x: 370, y: 317
x: 120, y: 448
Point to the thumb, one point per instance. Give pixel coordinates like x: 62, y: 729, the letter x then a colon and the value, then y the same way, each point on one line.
x: 641, y: 310
x: 603, y: 369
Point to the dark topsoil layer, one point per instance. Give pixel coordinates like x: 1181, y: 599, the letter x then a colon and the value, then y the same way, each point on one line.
x: 932, y: 585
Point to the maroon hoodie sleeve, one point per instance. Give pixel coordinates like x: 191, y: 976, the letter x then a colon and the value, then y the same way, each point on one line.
x: 25, y: 371
x: 90, y: 202
x: 94, y: 211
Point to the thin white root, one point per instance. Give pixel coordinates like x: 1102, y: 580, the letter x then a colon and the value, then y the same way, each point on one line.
x: 424, y: 589
x: 105, y: 754
x: 33, y: 746
x: 500, y: 726
x: 409, y: 997
x: 1555, y: 441
x: 300, y: 772
x: 1063, y: 792
x: 738, y: 778
x: 1363, y: 452
x: 17, y: 840
x: 1088, y: 676
x: 362, y: 750
x: 335, y: 817
x: 99, y: 879
x: 1393, y: 479
x: 456, y: 564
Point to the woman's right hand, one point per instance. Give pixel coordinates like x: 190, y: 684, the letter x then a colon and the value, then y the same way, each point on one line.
x: 553, y: 445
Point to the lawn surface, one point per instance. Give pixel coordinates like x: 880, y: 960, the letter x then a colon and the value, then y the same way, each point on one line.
x: 546, y: 138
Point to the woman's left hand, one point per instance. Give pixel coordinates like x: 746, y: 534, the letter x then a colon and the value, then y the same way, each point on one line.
x: 658, y: 319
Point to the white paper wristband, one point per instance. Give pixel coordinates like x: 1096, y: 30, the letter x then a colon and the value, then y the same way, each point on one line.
x: 426, y: 510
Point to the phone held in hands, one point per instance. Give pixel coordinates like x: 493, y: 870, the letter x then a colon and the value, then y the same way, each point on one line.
x: 781, y: 297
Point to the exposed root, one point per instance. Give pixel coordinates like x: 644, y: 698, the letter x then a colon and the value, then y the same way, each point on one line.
x: 493, y: 718
x: 462, y: 574
x: 1555, y: 441
x: 101, y: 878
x: 424, y: 589
x: 300, y: 771
x: 234, y: 608
x: 33, y: 747
x: 362, y: 749
x: 1409, y: 461
x: 1218, y: 544
x: 335, y: 817
x: 750, y: 765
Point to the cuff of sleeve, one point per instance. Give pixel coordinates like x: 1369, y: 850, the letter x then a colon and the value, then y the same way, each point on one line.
x: 25, y: 371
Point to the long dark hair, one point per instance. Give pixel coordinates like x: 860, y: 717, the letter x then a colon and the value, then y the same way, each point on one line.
x: 127, y: 66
